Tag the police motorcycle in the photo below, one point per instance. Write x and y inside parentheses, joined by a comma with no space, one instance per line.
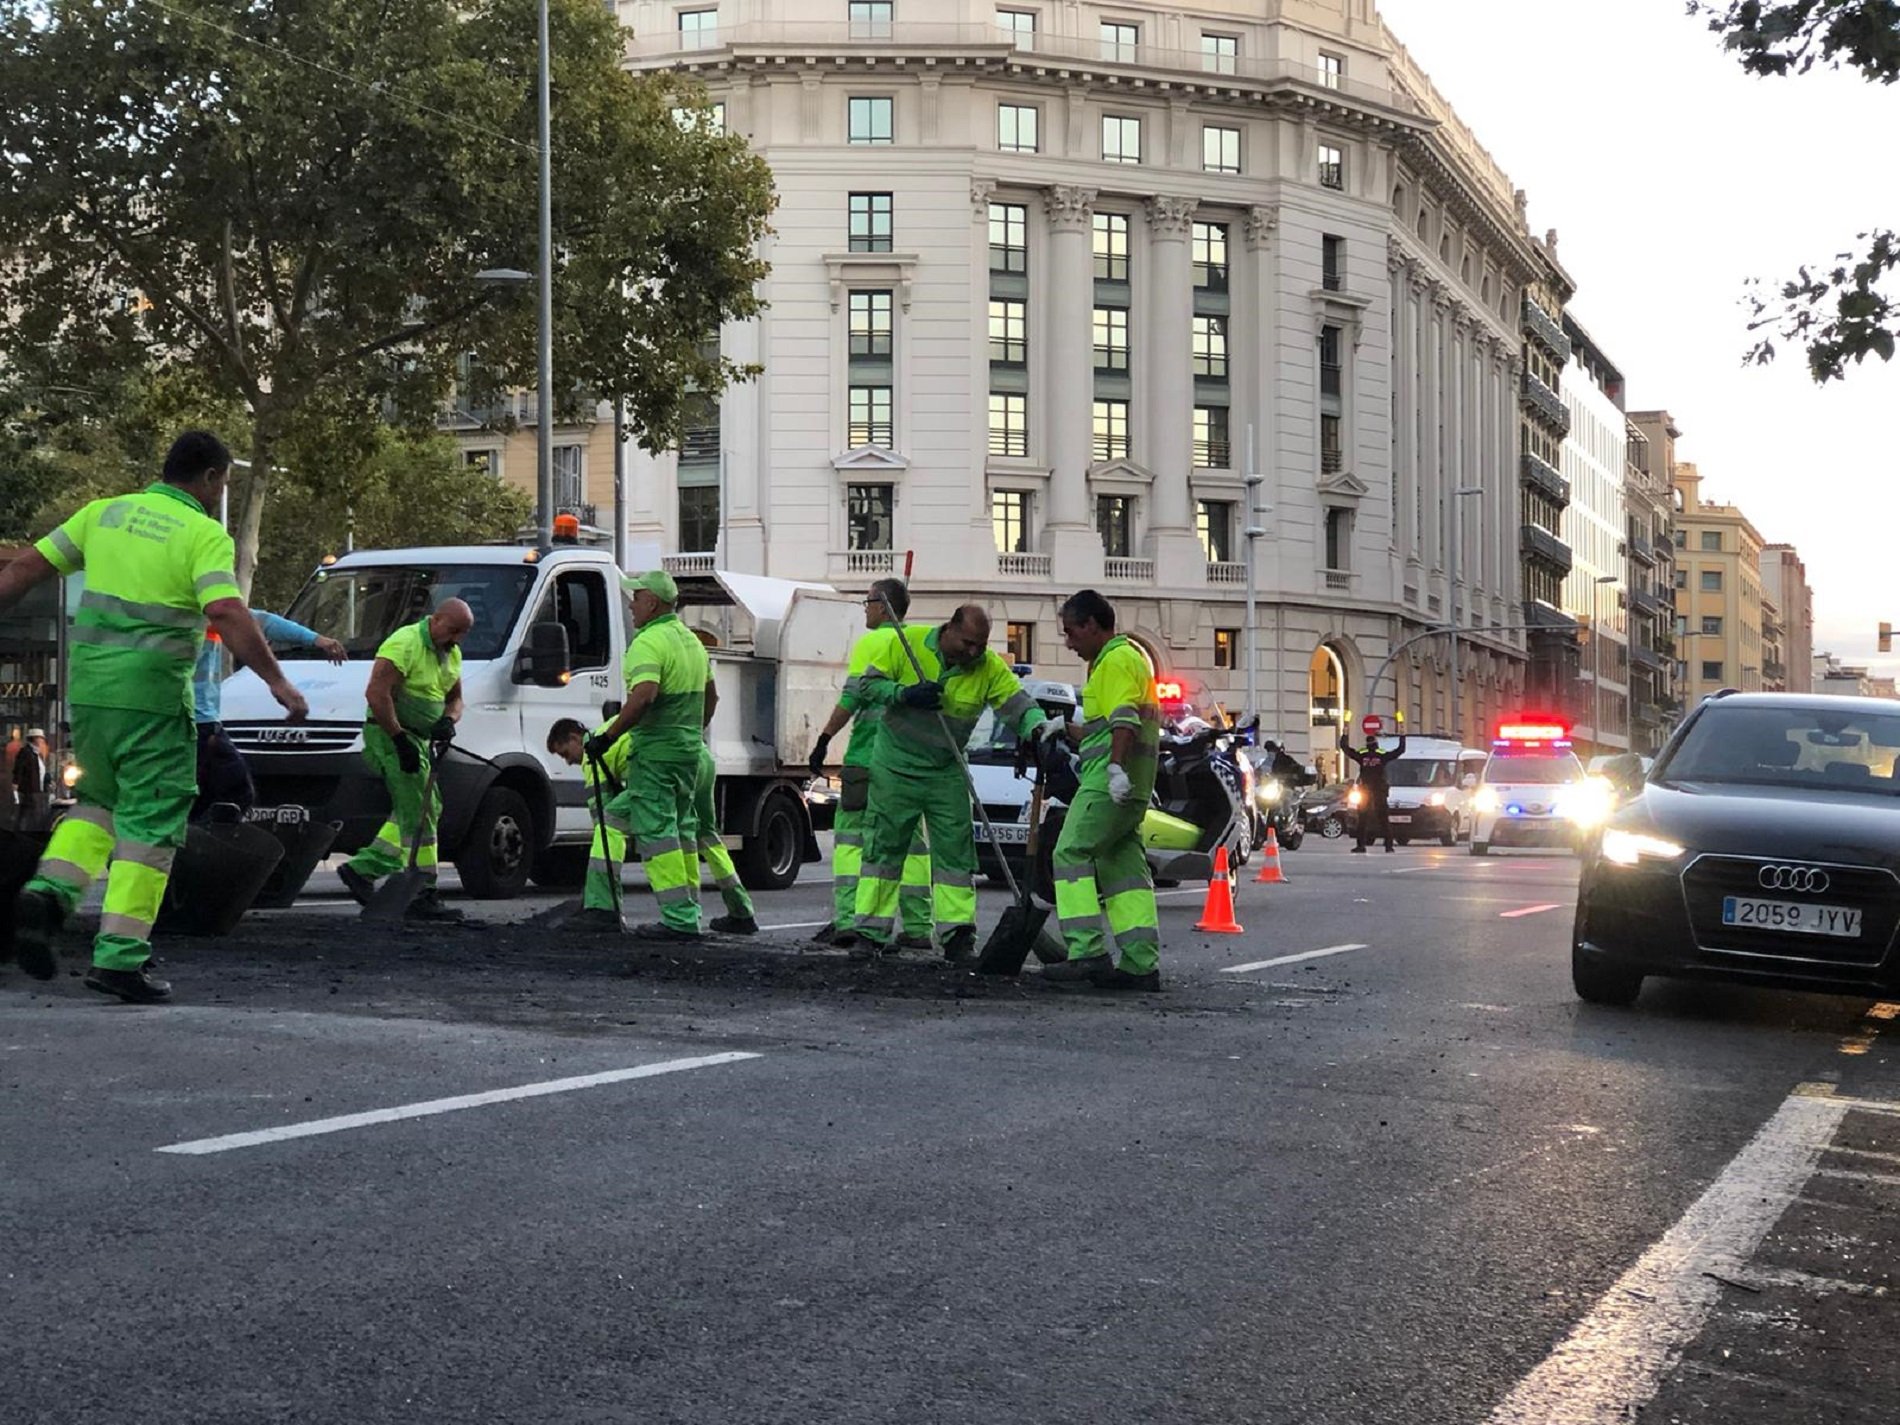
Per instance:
(1279,798)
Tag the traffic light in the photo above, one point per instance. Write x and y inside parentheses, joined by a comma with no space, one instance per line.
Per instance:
(1886,638)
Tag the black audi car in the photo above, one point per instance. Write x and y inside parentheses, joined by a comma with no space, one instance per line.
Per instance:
(1763,847)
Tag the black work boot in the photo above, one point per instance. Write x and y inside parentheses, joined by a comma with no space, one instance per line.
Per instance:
(133,986)
(915,942)
(863,947)
(1124,981)
(37,916)
(1076,972)
(829,935)
(360,887)
(595,918)
(660,932)
(959,946)
(430,906)
(734,925)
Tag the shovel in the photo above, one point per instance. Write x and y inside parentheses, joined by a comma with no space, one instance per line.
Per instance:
(1015,934)
(1024,926)
(559,914)
(392,899)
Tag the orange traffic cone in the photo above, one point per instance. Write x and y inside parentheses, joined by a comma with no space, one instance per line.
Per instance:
(1270,872)
(1218,914)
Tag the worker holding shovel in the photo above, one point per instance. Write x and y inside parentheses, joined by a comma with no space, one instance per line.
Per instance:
(604,779)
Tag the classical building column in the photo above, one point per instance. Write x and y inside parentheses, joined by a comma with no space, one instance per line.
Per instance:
(744,452)
(1179,558)
(1069,534)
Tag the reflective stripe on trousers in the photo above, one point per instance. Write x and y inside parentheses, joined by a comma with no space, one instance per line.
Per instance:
(847,860)
(1101,872)
(899,805)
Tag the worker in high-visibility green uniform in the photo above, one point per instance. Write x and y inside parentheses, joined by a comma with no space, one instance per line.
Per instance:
(1101,865)
(668,684)
(711,848)
(884,606)
(918,775)
(157,567)
(415,701)
(567,739)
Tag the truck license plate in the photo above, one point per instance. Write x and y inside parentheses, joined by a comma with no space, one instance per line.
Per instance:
(1792,916)
(1400,820)
(1006,835)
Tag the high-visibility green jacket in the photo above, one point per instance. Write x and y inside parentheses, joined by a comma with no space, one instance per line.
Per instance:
(866,718)
(429,674)
(614,764)
(667,652)
(153,562)
(1120,692)
(911,740)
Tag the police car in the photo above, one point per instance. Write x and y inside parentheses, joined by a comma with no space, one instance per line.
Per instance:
(1534,791)
(1005,796)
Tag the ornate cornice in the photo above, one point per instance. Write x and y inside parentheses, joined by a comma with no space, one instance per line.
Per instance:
(1261,224)
(1068,207)
(981,191)
(1171,217)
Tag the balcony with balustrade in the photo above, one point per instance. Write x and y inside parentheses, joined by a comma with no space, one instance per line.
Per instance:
(1022,564)
(1129,571)
(1546,405)
(1547,332)
(1540,474)
(1540,543)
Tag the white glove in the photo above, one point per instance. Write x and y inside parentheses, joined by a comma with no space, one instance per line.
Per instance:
(1119,787)
(1048,730)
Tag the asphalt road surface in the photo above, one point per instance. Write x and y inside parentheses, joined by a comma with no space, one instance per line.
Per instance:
(1368,1161)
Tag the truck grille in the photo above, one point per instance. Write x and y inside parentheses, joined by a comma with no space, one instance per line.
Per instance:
(264,739)
(1875,892)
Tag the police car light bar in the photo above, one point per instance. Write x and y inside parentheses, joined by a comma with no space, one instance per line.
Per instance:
(1533,732)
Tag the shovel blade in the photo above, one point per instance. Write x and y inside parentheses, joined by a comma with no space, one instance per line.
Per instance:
(393,897)
(1012,940)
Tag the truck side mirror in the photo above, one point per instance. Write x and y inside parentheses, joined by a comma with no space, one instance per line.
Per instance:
(543,659)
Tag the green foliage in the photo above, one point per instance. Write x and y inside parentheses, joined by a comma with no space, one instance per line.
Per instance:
(289,203)
(1842,312)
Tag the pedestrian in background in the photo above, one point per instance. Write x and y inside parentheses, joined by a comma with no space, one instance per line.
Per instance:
(32,782)
(157,567)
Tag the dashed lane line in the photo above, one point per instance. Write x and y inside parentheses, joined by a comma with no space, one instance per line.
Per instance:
(314,1127)
(1288,959)
(1527,910)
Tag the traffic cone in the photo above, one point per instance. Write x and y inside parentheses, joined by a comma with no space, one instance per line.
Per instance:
(1270,872)
(1218,914)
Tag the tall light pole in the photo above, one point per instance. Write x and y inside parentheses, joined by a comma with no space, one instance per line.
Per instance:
(1463,492)
(544,336)
(1596,658)
(1252,532)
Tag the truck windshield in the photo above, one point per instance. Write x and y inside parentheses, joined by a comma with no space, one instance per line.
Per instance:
(360,607)
(1419,772)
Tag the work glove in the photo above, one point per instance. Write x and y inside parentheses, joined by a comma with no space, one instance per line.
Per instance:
(818,751)
(597,746)
(444,730)
(1048,730)
(928,696)
(1120,788)
(408,754)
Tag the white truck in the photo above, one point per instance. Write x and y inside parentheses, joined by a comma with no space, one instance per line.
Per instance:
(1430,789)
(551,626)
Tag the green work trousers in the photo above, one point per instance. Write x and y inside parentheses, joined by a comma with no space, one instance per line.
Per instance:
(711,848)
(390,850)
(847,861)
(139,777)
(656,810)
(1101,866)
(607,850)
(900,804)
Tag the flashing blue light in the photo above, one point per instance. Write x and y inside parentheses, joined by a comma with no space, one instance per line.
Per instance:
(1514,810)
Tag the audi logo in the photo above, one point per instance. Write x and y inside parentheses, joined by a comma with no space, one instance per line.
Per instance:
(1793,878)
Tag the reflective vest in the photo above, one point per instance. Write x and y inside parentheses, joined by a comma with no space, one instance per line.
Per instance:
(912,739)
(1120,692)
(667,652)
(429,674)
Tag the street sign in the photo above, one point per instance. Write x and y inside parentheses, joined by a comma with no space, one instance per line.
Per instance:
(1372,724)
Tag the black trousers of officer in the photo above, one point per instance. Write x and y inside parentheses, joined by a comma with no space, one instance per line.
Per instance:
(1374,822)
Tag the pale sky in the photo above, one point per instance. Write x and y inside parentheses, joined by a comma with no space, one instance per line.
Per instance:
(1672,177)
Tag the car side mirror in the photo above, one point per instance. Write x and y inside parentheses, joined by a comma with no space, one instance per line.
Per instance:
(543,659)
(1624,772)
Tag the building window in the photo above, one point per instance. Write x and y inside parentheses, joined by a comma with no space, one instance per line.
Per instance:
(712,117)
(699,518)
(699,29)
(1119,41)
(1711,581)
(1227,648)
(1009,237)
(1712,626)
(1019,643)
(1009,339)
(1111,430)
(1330,373)
(1220,149)
(1220,54)
(870,120)
(871,422)
(1712,670)
(480,462)
(699,440)
(1332,453)
(870,19)
(1682,539)
(1332,167)
(1214,522)
(1009,519)
(1712,541)
(1019,25)
(1016,128)
(1115,519)
(1213,450)
(1111,247)
(1210,347)
(870,222)
(1332,69)
(1210,257)
(868,522)
(870,324)
(570,476)
(1682,578)
(1121,139)
(1339,539)
(1332,262)
(1111,339)
(1009,424)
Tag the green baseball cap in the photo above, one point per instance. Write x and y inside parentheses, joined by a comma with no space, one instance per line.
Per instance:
(656,582)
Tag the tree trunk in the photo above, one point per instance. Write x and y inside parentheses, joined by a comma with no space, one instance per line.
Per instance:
(250,521)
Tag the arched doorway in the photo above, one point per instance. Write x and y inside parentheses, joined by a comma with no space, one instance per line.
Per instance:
(1330,695)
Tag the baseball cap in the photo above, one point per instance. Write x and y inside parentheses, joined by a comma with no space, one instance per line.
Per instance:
(656,582)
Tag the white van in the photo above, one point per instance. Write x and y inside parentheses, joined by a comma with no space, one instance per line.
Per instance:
(1430,789)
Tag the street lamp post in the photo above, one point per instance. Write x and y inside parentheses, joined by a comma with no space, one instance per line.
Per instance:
(1463,492)
(1252,532)
(1596,658)
(544,336)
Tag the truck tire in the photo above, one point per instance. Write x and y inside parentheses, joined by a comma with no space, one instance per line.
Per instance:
(497,852)
(768,860)
(561,868)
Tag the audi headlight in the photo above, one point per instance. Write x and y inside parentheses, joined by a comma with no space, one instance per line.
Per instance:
(1626,848)
(1486,801)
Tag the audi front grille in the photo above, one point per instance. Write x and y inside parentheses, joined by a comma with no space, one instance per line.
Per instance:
(1709,880)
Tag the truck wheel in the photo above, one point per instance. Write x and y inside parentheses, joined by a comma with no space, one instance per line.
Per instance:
(496,856)
(561,868)
(768,859)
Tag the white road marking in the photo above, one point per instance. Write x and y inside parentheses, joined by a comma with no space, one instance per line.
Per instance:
(1288,959)
(1614,1359)
(798,925)
(444,1105)
(1526,910)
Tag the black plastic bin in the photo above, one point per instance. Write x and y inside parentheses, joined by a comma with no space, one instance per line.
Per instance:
(19,854)
(216,878)
(306,841)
